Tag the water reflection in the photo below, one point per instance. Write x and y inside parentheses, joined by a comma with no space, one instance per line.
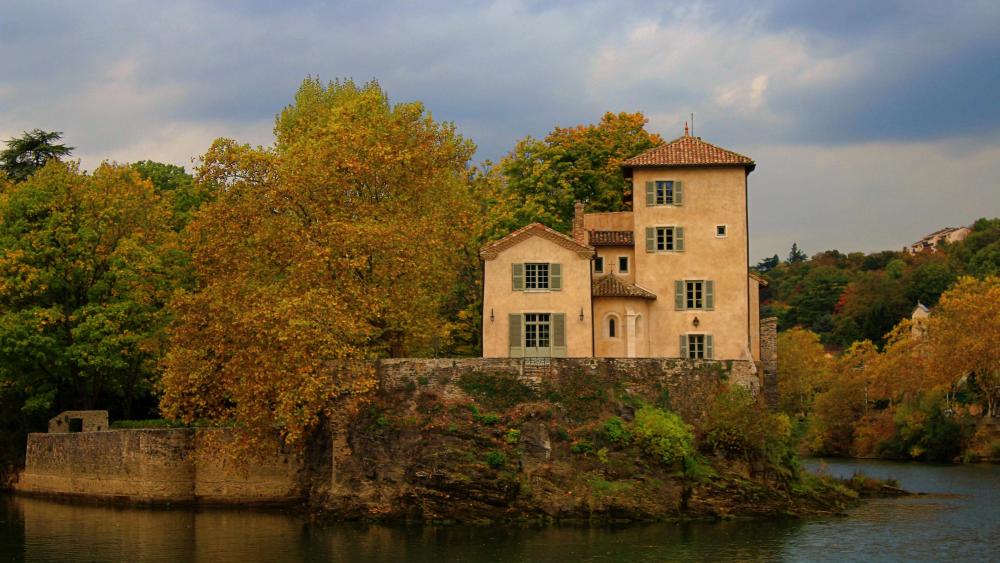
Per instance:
(965,525)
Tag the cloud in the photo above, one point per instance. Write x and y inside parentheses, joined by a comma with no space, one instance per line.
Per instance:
(791,83)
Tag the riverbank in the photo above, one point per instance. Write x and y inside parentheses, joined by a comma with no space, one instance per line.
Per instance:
(481,441)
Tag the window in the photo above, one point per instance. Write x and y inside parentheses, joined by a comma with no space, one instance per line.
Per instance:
(697,346)
(664,239)
(663,192)
(623,264)
(611,328)
(536,330)
(599,264)
(720,231)
(536,276)
(694,294)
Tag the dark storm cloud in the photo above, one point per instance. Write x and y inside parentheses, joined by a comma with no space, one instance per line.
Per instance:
(128,80)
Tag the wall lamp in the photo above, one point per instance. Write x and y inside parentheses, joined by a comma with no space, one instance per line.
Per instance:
(581,314)
(696,322)
(491,315)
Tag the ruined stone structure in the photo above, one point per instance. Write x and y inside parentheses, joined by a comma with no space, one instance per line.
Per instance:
(769,360)
(79,421)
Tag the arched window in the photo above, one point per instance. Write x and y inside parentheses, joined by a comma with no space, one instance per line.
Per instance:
(612,329)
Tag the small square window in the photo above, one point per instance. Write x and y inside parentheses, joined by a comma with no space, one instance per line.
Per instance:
(720,231)
(599,264)
(665,237)
(664,194)
(623,264)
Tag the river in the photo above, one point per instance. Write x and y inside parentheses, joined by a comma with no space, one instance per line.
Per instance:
(959,519)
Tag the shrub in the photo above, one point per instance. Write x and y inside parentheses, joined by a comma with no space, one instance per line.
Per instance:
(512,436)
(496,390)
(615,431)
(496,459)
(739,427)
(581,447)
(663,435)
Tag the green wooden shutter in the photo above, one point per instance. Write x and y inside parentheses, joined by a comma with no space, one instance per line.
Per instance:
(709,352)
(678,193)
(650,194)
(559,335)
(684,346)
(679,239)
(555,277)
(709,295)
(650,239)
(517,272)
(514,330)
(679,295)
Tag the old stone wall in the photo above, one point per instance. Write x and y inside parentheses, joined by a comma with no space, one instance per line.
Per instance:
(90,421)
(153,465)
(769,359)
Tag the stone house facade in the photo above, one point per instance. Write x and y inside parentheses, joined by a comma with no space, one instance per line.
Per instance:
(668,279)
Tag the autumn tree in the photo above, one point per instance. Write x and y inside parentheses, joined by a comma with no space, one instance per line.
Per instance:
(341,242)
(543,178)
(29,152)
(87,264)
(965,338)
(802,370)
(173,183)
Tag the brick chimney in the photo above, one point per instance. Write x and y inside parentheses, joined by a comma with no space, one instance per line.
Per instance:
(579,235)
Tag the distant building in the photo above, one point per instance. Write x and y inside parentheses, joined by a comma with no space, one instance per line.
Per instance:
(919,318)
(948,234)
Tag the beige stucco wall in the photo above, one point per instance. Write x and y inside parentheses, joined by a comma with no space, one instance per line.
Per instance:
(501,300)
(628,343)
(611,255)
(712,196)
(611,221)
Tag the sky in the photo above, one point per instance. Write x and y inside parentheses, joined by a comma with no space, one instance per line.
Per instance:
(872,123)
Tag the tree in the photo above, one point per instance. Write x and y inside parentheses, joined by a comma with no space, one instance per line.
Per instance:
(29,152)
(801,371)
(964,339)
(796,256)
(172,182)
(341,242)
(87,263)
(543,178)
(767,264)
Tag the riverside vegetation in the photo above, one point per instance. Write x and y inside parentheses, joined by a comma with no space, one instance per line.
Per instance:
(225,296)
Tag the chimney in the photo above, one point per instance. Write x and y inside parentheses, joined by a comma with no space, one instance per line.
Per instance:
(579,235)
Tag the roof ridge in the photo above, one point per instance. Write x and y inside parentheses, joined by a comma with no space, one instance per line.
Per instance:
(491,250)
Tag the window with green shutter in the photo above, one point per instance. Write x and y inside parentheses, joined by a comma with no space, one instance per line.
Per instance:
(664,192)
(696,346)
(559,335)
(679,298)
(664,239)
(694,294)
(514,338)
(555,277)
(517,274)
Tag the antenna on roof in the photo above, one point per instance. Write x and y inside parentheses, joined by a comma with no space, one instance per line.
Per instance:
(692,124)
(686,129)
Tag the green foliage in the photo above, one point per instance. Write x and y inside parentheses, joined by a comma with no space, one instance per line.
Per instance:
(796,255)
(581,447)
(512,436)
(28,153)
(924,431)
(150,423)
(87,265)
(178,187)
(740,427)
(496,460)
(663,435)
(615,431)
(499,391)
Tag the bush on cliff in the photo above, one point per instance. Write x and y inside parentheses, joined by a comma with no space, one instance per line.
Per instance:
(739,427)
(663,434)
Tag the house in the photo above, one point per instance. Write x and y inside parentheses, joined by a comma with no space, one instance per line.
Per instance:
(668,279)
(918,318)
(948,234)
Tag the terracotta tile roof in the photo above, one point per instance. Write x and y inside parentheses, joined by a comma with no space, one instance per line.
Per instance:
(610,285)
(493,249)
(688,151)
(760,279)
(611,238)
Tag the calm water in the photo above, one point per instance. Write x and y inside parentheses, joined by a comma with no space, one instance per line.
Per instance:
(960,520)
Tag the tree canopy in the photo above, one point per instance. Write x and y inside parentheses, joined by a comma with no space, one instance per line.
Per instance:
(335,244)
(29,152)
